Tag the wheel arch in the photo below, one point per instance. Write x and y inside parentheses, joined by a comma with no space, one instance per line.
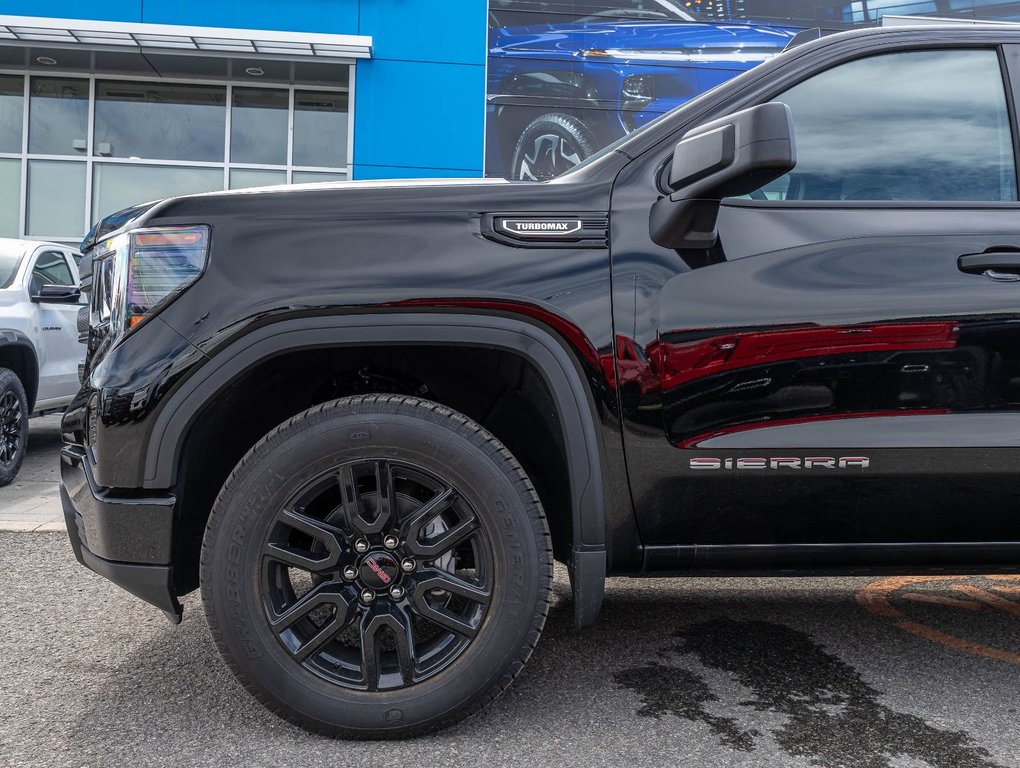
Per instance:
(17,352)
(537,344)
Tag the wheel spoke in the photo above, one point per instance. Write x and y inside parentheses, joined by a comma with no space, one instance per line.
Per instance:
(386,499)
(398,621)
(369,653)
(412,526)
(444,541)
(446,619)
(331,594)
(330,537)
(433,579)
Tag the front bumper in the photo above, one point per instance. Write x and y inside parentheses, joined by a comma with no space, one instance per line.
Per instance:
(127,540)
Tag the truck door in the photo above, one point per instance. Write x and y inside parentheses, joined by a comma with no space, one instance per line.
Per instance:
(841,372)
(60,350)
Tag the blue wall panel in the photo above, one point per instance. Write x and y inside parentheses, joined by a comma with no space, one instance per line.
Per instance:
(365,172)
(104,10)
(410,114)
(330,16)
(427,30)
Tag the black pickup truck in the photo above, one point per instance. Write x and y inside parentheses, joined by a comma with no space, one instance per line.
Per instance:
(365,418)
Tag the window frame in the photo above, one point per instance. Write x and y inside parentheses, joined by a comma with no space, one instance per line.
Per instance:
(769,88)
(1009,92)
(43,251)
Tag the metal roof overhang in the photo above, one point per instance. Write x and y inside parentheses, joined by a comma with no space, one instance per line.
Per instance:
(175,39)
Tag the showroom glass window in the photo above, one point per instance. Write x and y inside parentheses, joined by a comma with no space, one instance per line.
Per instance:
(910,126)
(12,118)
(153,121)
(94,145)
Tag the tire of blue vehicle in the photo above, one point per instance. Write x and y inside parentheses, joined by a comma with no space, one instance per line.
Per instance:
(551,145)
(377,566)
(13,425)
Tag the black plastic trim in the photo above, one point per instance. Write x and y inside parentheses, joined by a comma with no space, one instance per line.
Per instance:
(151,583)
(133,530)
(833,559)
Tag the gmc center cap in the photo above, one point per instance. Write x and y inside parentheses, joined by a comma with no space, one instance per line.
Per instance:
(379,570)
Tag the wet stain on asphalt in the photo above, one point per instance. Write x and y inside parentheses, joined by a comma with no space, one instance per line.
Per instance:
(835,719)
(680,691)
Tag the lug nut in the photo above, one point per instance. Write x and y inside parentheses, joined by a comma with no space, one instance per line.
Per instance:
(396,591)
(390,542)
(361,546)
(367,595)
(350,573)
(407,565)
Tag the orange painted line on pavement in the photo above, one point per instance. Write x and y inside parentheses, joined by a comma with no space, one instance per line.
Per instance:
(959,644)
(1000,603)
(876,598)
(952,602)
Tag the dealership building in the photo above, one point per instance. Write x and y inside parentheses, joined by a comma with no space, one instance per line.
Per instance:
(112,102)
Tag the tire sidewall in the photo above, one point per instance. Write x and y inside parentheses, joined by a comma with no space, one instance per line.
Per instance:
(9,382)
(305,450)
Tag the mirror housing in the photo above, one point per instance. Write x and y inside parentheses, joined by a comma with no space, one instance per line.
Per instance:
(733,155)
(57,294)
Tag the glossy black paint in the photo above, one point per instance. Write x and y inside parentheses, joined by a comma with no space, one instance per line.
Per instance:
(821,330)
(855,333)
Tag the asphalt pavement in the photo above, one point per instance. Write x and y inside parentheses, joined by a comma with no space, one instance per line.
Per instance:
(877,673)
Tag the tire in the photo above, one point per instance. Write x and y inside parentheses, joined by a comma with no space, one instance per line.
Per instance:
(551,145)
(283,578)
(13,425)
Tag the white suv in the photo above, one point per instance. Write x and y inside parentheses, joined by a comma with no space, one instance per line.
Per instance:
(39,348)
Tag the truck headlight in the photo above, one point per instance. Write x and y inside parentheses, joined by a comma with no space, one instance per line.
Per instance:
(149,268)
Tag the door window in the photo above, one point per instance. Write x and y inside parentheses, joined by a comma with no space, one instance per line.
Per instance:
(51,269)
(917,125)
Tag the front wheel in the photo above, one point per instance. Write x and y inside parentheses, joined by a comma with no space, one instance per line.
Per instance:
(377,566)
(13,425)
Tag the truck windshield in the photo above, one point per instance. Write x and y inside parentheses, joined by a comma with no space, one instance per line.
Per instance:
(10,260)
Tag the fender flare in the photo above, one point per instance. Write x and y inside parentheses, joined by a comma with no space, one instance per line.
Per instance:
(540,346)
(10,337)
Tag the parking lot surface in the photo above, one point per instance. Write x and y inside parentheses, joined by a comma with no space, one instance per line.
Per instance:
(790,673)
(32,501)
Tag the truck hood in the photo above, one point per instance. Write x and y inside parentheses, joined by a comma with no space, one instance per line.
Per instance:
(626,39)
(135,215)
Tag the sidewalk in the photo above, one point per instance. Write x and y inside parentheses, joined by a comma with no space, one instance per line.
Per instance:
(32,501)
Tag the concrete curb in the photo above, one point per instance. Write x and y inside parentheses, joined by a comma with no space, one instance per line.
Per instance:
(32,526)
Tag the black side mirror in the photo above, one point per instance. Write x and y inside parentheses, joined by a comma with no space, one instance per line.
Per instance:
(57,294)
(733,155)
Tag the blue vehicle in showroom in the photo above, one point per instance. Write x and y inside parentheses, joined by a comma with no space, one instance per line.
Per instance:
(561,90)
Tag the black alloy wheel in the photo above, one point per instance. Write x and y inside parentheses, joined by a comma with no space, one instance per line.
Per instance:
(376,575)
(13,425)
(377,566)
(549,146)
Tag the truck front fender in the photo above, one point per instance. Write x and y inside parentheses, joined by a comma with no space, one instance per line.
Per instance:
(539,345)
